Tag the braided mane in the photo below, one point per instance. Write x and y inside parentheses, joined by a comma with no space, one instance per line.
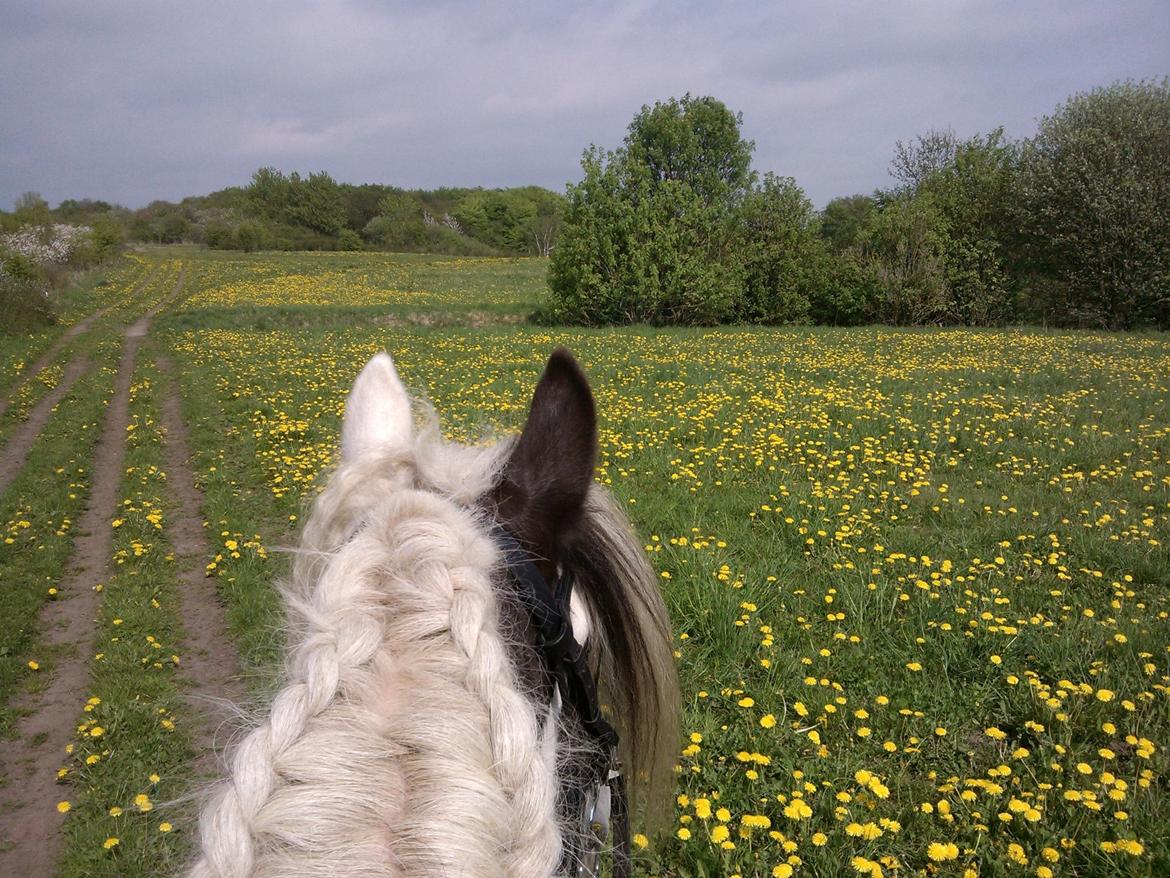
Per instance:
(407,740)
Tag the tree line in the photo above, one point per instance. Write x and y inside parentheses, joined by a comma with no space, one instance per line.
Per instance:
(279,211)
(1068,227)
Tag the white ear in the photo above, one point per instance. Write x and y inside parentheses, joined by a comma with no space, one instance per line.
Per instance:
(377,411)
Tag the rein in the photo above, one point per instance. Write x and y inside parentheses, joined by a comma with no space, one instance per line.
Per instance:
(564,660)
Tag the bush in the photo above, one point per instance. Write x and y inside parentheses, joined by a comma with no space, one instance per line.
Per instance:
(850,294)
(249,236)
(785,262)
(18,267)
(1096,206)
(348,239)
(649,234)
(904,248)
(24,292)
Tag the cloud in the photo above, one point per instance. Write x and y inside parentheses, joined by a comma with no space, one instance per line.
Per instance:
(136,101)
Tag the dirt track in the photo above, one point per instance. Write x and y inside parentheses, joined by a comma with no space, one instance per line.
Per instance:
(31,836)
(210,661)
(79,328)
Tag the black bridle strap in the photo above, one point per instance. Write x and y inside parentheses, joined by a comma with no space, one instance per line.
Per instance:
(563,656)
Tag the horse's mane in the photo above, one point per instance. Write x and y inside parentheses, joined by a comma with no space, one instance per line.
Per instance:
(404,741)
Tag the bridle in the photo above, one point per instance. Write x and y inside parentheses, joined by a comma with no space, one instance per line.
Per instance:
(603,801)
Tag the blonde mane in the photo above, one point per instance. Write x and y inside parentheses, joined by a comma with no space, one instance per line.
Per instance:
(404,741)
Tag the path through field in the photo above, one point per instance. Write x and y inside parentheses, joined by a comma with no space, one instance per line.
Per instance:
(78,329)
(31,834)
(211,659)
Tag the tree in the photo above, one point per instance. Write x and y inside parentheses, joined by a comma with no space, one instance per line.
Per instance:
(649,233)
(32,210)
(844,219)
(315,203)
(269,194)
(499,219)
(695,141)
(917,160)
(975,193)
(1096,206)
(904,248)
(784,259)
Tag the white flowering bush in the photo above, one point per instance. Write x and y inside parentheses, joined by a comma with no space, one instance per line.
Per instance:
(46,245)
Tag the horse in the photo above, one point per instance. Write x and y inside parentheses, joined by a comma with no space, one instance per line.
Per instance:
(479,670)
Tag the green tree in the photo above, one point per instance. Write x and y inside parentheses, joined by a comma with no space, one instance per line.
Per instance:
(1096,206)
(695,141)
(500,219)
(904,249)
(975,193)
(844,220)
(649,233)
(315,203)
(784,260)
(107,236)
(269,194)
(32,210)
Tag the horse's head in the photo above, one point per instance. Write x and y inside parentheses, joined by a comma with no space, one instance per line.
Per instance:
(430,723)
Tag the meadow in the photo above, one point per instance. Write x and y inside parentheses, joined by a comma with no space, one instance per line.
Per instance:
(918,578)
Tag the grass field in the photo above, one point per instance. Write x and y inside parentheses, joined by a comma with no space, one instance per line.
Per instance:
(919,579)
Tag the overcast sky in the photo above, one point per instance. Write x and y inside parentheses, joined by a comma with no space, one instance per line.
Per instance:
(132,101)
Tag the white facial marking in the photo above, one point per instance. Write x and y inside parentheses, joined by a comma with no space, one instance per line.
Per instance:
(377,411)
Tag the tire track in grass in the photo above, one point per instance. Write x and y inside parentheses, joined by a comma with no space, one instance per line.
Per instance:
(210,661)
(79,328)
(30,764)
(16,451)
(15,454)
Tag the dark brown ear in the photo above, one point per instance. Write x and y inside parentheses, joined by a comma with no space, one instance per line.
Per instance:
(542,493)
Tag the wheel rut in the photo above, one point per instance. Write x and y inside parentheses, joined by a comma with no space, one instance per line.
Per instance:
(15,454)
(210,662)
(79,328)
(32,826)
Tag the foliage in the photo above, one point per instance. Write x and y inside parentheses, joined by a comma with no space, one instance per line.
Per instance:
(784,259)
(905,247)
(850,293)
(942,242)
(916,161)
(844,220)
(1096,205)
(248,236)
(313,203)
(24,292)
(694,141)
(649,234)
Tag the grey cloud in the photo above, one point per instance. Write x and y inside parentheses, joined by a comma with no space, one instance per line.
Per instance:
(135,101)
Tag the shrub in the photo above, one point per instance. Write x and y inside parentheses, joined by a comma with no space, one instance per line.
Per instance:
(785,263)
(249,236)
(850,294)
(1096,206)
(649,233)
(24,292)
(904,248)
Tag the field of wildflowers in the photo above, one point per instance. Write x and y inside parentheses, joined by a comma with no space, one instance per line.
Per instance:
(918,579)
